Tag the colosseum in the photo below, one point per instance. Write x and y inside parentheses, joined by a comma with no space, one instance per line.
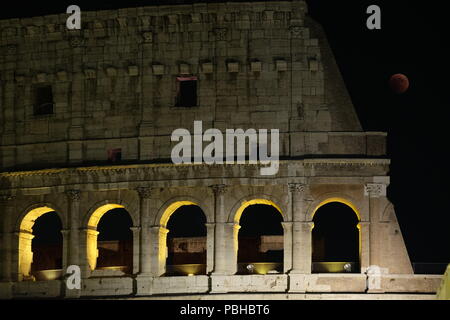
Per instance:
(87,178)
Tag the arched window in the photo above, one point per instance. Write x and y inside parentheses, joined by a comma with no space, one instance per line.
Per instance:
(186,242)
(115,241)
(40,245)
(110,239)
(335,239)
(260,248)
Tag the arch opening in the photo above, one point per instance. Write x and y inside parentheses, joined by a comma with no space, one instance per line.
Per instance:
(260,239)
(186,241)
(336,238)
(110,239)
(40,245)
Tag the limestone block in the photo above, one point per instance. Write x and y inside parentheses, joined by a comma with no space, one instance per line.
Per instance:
(37,289)
(173,285)
(249,283)
(410,283)
(158,69)
(107,286)
(144,285)
(328,282)
(297,282)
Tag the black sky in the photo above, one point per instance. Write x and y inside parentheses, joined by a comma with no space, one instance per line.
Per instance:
(413,41)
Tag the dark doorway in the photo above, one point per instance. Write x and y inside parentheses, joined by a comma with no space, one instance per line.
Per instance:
(47,243)
(186,242)
(335,239)
(261,240)
(115,240)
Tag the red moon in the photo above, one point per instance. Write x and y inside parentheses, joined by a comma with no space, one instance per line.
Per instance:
(399,83)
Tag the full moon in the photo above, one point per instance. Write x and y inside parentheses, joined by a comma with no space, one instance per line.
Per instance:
(399,83)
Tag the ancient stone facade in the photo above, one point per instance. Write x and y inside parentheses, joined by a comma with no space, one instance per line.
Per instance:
(114,84)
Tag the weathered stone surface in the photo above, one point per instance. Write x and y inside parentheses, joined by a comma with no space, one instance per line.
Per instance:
(260,65)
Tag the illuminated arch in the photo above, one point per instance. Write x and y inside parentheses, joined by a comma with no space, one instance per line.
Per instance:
(348,203)
(25,257)
(162,220)
(172,208)
(340,200)
(92,233)
(246,202)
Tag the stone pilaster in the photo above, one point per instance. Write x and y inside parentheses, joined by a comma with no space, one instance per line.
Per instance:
(287,238)
(301,230)
(222,255)
(145,196)
(73,197)
(364,255)
(158,252)
(374,191)
(210,234)
(136,245)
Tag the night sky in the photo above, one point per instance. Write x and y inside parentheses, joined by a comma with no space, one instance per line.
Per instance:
(413,41)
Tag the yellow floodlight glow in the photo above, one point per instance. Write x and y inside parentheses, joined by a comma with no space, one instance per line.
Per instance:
(246,204)
(172,208)
(26,237)
(92,233)
(340,200)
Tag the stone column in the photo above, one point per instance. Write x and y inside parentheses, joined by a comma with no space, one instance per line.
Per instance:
(287,246)
(73,197)
(221,259)
(88,256)
(210,231)
(232,246)
(158,252)
(374,191)
(301,230)
(65,249)
(6,203)
(364,230)
(145,195)
(136,244)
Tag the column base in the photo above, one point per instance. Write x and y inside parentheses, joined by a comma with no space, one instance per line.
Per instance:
(144,284)
(297,282)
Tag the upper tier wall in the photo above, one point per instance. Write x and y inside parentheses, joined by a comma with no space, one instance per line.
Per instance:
(114,82)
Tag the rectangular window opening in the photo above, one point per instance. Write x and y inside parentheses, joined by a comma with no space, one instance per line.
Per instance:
(43,101)
(186,92)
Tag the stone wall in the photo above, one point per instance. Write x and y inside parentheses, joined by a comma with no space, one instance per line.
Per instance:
(259,65)
(150,193)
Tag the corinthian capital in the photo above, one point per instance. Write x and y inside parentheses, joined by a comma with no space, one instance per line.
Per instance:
(296,187)
(73,195)
(218,189)
(145,192)
(375,190)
